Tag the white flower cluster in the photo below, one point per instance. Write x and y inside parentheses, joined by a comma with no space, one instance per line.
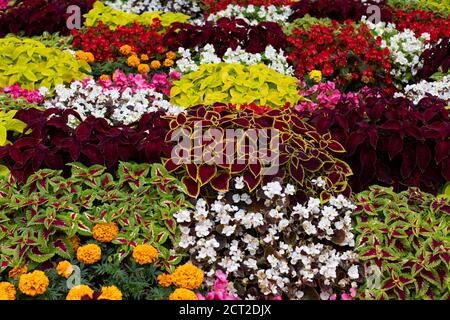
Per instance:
(416,92)
(261,240)
(254,14)
(115,106)
(274,59)
(404,47)
(141,6)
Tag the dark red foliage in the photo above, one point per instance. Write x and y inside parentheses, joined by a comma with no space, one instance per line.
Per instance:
(33,17)
(340,10)
(390,141)
(435,59)
(226,33)
(105,43)
(52,143)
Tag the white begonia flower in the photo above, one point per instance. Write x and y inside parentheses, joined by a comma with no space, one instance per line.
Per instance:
(228,230)
(182,216)
(239,183)
(273,189)
(353,272)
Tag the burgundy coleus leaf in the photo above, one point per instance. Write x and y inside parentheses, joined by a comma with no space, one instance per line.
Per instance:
(298,174)
(192,169)
(206,173)
(394,145)
(221,182)
(61,246)
(251,180)
(354,141)
(423,156)
(192,186)
(442,151)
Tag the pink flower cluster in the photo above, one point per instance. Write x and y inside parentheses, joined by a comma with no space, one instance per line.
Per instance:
(3,4)
(15,91)
(323,95)
(219,290)
(345,296)
(160,82)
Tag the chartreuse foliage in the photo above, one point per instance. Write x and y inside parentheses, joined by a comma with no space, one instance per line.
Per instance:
(299,156)
(236,84)
(33,65)
(38,218)
(405,236)
(440,7)
(305,23)
(8,124)
(114,18)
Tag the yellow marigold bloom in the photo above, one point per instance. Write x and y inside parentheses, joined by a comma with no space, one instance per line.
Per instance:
(64,269)
(144,254)
(105,232)
(168,63)
(171,55)
(89,57)
(34,283)
(133,61)
(144,57)
(78,292)
(125,50)
(164,280)
(143,68)
(155,64)
(110,293)
(17,271)
(315,75)
(183,294)
(75,240)
(7,291)
(89,254)
(80,55)
(187,276)
(104,77)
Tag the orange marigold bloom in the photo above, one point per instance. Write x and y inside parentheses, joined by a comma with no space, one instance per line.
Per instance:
(168,63)
(110,293)
(133,61)
(165,280)
(89,254)
(7,291)
(89,57)
(78,292)
(155,64)
(187,276)
(104,77)
(17,271)
(144,57)
(64,269)
(183,294)
(105,232)
(34,283)
(145,254)
(75,241)
(125,50)
(171,55)
(143,68)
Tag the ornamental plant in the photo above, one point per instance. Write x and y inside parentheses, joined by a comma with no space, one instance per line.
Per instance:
(8,127)
(270,246)
(235,84)
(349,55)
(31,96)
(33,65)
(50,210)
(435,60)
(303,154)
(216,5)
(226,33)
(53,143)
(101,13)
(305,22)
(33,17)
(403,239)
(390,141)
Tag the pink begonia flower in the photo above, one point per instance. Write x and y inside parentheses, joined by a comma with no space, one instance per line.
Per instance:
(277,298)
(15,91)
(333,297)
(175,75)
(3,4)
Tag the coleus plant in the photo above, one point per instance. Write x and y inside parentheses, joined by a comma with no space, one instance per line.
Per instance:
(53,143)
(39,218)
(300,154)
(404,240)
(435,60)
(390,141)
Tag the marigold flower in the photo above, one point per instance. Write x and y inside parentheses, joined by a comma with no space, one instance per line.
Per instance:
(78,292)
(104,77)
(315,75)
(7,291)
(133,61)
(183,294)
(64,269)
(171,55)
(75,241)
(125,50)
(34,283)
(89,254)
(155,64)
(110,293)
(89,57)
(144,57)
(144,254)
(187,276)
(168,63)
(105,232)
(17,271)
(165,280)
(143,68)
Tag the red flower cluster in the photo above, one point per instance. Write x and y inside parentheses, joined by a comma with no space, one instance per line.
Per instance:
(421,21)
(105,43)
(213,6)
(350,56)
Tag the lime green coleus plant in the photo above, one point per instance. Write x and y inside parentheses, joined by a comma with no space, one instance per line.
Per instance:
(8,123)
(115,18)
(33,65)
(236,84)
